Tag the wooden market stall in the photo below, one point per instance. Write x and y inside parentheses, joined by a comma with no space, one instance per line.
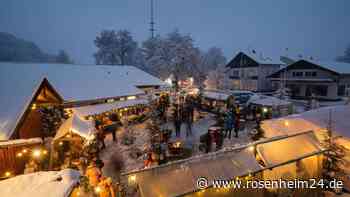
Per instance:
(11,153)
(70,138)
(272,107)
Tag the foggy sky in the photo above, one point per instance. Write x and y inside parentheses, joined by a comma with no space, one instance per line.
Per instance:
(319,28)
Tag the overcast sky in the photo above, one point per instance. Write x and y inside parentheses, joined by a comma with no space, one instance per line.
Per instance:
(320,28)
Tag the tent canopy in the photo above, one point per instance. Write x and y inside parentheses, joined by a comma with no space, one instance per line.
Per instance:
(316,120)
(41,184)
(180,177)
(285,150)
(74,124)
(101,108)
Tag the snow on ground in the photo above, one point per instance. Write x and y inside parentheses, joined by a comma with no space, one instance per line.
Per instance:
(141,134)
(41,184)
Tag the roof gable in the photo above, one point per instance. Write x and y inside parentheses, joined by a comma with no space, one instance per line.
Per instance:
(252,59)
(304,64)
(19,83)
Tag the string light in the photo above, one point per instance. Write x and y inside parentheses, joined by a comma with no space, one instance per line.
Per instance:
(36,153)
(97,189)
(7,174)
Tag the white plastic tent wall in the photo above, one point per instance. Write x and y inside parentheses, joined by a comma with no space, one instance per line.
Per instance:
(316,120)
(41,184)
(76,125)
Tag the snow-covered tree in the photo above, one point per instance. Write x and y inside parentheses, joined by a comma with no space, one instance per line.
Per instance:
(63,57)
(217,79)
(346,56)
(174,53)
(115,47)
(212,59)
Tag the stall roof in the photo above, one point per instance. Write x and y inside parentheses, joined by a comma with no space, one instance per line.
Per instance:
(20,81)
(101,108)
(315,120)
(270,101)
(20,142)
(281,151)
(41,184)
(179,178)
(74,124)
(215,95)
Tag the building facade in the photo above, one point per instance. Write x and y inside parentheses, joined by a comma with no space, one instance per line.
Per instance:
(306,78)
(248,71)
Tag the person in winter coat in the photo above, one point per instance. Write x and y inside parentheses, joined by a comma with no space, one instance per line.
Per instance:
(237,122)
(228,123)
(93,173)
(106,187)
(177,121)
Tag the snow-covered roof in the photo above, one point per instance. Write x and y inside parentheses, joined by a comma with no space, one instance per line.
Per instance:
(270,101)
(316,120)
(19,82)
(75,124)
(262,58)
(339,67)
(20,142)
(41,184)
(215,95)
(101,108)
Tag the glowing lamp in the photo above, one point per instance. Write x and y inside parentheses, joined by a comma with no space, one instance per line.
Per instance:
(133,178)
(286,123)
(19,154)
(60,143)
(7,174)
(97,189)
(36,153)
(264,109)
(251,148)
(24,151)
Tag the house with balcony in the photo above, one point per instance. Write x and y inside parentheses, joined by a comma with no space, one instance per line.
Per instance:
(248,71)
(306,78)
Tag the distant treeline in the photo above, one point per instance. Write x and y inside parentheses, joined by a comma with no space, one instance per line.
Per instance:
(13,49)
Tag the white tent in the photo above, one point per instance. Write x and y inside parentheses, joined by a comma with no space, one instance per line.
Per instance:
(74,124)
(41,184)
(316,120)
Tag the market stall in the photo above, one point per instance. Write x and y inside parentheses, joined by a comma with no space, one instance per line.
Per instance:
(71,137)
(271,107)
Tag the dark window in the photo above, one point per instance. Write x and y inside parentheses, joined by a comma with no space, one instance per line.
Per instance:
(310,74)
(341,90)
(297,74)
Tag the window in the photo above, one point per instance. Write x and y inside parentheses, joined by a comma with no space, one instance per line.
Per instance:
(311,74)
(297,74)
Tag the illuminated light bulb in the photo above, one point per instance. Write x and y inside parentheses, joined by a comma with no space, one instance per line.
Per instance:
(97,189)
(7,174)
(251,148)
(286,123)
(44,152)
(36,153)
(60,143)
(264,109)
(24,151)
(19,154)
(133,178)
